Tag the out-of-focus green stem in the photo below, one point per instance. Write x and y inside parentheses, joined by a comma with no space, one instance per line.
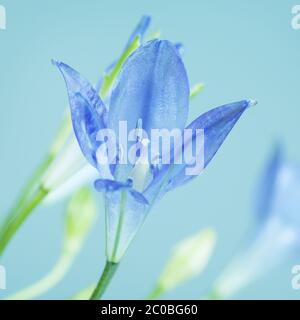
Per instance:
(46,283)
(33,192)
(196,89)
(80,215)
(28,188)
(59,141)
(11,225)
(62,136)
(155,293)
(84,294)
(110,267)
(107,274)
(213,295)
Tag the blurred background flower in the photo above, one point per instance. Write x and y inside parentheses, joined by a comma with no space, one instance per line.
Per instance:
(276,237)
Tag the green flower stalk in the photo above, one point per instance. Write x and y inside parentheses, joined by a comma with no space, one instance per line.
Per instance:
(34,192)
(189,258)
(80,216)
(84,294)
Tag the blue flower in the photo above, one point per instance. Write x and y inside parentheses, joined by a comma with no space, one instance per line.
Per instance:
(151,92)
(276,235)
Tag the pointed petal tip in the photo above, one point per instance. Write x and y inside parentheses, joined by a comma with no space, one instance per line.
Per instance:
(55,62)
(146,18)
(252,103)
(59,64)
(139,197)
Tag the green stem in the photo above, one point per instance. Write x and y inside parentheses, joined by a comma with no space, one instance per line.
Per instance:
(48,282)
(195,90)
(107,274)
(110,267)
(61,138)
(213,295)
(155,293)
(30,196)
(84,294)
(28,188)
(13,223)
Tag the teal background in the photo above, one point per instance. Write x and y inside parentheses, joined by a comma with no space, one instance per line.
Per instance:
(240,49)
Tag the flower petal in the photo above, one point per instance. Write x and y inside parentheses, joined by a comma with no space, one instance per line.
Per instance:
(152,86)
(265,191)
(285,202)
(124,219)
(272,244)
(216,123)
(139,197)
(87,110)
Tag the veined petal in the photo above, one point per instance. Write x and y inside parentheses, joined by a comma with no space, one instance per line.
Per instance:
(152,86)
(87,110)
(217,124)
